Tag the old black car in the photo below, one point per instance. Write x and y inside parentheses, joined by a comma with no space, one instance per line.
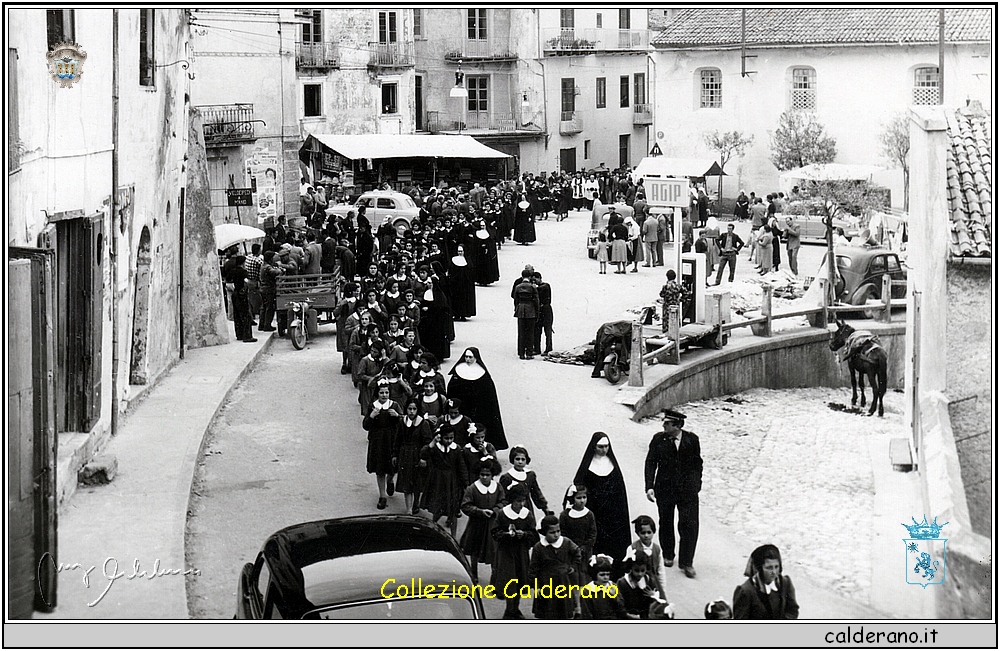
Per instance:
(364,567)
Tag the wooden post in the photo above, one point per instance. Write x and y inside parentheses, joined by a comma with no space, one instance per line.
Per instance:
(820,319)
(765,309)
(635,363)
(674,332)
(716,317)
(887,298)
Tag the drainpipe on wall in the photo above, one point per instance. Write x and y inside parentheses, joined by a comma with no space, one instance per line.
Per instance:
(651,76)
(545,105)
(114,218)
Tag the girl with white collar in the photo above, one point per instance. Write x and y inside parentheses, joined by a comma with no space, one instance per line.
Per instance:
(555,561)
(514,534)
(478,502)
(579,524)
(520,474)
(381,423)
(446,479)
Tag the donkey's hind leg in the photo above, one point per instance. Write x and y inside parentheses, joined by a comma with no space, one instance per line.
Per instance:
(861,387)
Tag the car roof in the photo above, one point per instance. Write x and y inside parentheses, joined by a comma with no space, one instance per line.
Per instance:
(341,560)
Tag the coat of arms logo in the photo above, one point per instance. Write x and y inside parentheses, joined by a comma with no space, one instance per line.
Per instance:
(66,63)
(923,548)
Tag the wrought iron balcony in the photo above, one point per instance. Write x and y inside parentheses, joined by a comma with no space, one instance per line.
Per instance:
(316,56)
(438,121)
(642,114)
(390,55)
(227,124)
(585,41)
(490,49)
(570,122)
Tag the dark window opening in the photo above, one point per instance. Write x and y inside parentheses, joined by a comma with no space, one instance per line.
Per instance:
(623,91)
(312,32)
(147,47)
(477,24)
(568,95)
(566,18)
(312,100)
(624,19)
(602,92)
(389,99)
(623,156)
(387,27)
(60,25)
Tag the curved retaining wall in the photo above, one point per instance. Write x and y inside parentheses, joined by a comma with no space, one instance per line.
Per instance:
(786,360)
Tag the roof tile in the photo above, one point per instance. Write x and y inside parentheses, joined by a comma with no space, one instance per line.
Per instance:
(700,27)
(970,192)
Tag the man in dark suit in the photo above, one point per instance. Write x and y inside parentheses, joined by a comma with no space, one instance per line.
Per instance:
(673,480)
(729,247)
(526,310)
(545,316)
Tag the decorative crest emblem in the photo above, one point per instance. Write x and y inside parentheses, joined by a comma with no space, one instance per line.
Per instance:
(922,548)
(66,63)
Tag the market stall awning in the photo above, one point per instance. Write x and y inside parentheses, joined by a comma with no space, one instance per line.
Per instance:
(692,168)
(832,172)
(381,146)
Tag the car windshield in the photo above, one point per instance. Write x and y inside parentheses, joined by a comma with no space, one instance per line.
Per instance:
(399,609)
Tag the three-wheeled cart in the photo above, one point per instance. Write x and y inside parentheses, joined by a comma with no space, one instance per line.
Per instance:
(305,297)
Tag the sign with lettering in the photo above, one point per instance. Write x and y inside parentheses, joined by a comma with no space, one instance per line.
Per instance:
(666,192)
(239,196)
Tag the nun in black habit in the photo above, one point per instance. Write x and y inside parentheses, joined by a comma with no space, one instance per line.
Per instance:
(524,223)
(435,320)
(487,260)
(471,382)
(461,279)
(600,472)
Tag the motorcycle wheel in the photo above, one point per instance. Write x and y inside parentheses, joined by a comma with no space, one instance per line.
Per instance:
(298,334)
(612,371)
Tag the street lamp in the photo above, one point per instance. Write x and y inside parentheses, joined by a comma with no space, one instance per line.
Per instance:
(458,90)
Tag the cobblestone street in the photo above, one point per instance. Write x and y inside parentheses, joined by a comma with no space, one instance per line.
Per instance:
(799,478)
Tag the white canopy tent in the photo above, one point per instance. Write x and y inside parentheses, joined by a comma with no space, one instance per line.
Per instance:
(377,146)
(825,172)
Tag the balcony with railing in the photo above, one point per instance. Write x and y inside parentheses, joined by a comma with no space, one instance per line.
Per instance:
(316,56)
(591,40)
(642,114)
(390,55)
(227,125)
(440,121)
(485,49)
(570,122)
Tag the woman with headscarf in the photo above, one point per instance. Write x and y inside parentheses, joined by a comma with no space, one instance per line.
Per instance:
(471,382)
(462,280)
(600,472)
(435,319)
(767,593)
(524,223)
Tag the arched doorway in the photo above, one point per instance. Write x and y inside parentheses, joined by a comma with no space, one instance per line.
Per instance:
(140,311)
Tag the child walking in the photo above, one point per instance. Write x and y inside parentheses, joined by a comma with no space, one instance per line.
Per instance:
(514,534)
(412,434)
(478,502)
(600,604)
(446,479)
(645,529)
(579,525)
(477,448)
(382,423)
(555,561)
(602,251)
(520,474)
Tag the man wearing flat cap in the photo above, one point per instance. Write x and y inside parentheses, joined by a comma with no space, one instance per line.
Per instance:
(673,481)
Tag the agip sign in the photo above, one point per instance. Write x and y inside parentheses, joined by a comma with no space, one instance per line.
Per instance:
(666,192)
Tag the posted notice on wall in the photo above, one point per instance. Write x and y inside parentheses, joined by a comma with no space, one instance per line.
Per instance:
(262,174)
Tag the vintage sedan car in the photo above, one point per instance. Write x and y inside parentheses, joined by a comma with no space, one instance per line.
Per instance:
(380,206)
(809,215)
(364,567)
(860,273)
(599,222)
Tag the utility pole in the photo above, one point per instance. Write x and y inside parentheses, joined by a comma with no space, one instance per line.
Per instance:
(940,56)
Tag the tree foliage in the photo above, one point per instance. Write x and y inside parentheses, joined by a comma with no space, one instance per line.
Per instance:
(728,144)
(895,140)
(800,140)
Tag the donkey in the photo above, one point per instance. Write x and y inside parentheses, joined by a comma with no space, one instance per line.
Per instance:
(865,356)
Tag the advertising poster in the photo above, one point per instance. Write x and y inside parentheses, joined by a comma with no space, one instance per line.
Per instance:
(262,174)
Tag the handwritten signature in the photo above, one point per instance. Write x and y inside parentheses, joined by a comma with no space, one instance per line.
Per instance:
(110,572)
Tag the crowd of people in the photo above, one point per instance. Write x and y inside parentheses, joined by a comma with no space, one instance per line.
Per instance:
(437,440)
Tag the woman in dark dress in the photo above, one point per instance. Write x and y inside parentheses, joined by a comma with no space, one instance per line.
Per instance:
(600,472)
(524,223)
(470,382)
(461,278)
(767,593)
(444,284)
(365,243)
(435,316)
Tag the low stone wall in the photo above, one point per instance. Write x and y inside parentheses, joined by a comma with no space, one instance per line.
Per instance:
(784,361)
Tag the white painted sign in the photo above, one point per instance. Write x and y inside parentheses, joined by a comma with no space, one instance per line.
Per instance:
(666,192)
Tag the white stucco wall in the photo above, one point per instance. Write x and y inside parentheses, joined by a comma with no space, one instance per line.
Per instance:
(859,89)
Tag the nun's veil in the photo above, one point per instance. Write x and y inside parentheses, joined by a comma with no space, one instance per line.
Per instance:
(461,360)
(588,456)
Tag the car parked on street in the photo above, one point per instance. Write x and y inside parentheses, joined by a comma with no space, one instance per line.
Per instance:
(860,274)
(810,214)
(363,567)
(381,205)
(599,222)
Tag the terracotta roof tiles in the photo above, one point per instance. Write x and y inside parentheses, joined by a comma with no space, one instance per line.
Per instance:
(845,26)
(970,191)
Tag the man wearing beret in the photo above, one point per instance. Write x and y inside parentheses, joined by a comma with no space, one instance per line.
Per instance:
(673,480)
